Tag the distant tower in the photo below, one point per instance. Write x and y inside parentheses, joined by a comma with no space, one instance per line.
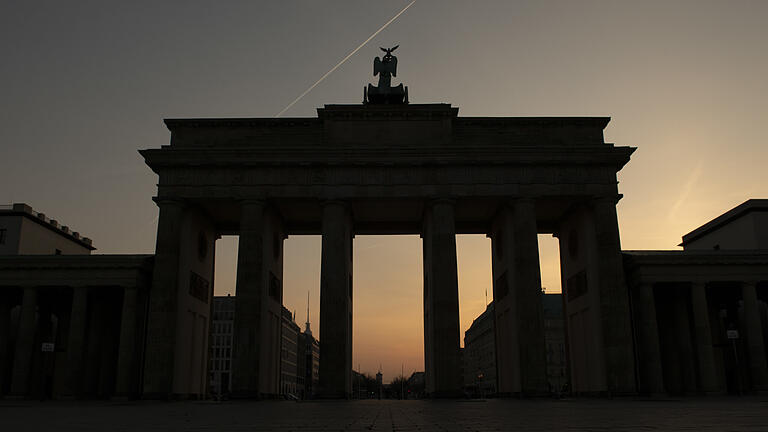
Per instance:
(307,330)
(379,379)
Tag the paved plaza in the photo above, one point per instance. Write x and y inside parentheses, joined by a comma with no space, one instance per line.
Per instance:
(721,414)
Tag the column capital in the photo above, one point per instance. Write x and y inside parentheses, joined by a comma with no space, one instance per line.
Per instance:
(169,201)
(335,201)
(606,199)
(513,204)
(252,201)
(513,201)
(645,284)
(430,202)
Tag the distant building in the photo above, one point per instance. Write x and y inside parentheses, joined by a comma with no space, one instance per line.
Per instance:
(299,360)
(480,355)
(308,359)
(554,339)
(359,385)
(289,366)
(379,383)
(222,331)
(416,383)
(27,232)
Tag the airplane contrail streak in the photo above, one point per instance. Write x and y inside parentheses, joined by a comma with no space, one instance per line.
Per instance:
(344,59)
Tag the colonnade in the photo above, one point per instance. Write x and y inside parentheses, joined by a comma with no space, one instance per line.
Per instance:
(94,340)
(737,311)
(517,291)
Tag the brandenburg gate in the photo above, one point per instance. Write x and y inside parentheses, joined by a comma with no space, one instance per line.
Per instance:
(389,167)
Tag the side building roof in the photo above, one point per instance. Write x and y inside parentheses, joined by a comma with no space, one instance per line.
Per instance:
(24,210)
(725,218)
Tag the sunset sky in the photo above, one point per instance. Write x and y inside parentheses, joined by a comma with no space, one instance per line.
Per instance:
(86,84)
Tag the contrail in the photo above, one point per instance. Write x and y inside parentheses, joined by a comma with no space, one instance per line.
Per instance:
(686,190)
(344,59)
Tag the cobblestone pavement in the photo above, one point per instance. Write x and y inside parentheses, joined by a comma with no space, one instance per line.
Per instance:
(726,414)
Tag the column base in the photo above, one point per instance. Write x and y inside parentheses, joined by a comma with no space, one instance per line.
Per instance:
(171,396)
(525,395)
(16,397)
(253,395)
(714,393)
(121,398)
(333,395)
(447,394)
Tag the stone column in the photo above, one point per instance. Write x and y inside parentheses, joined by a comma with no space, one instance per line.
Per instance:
(160,357)
(76,341)
(256,356)
(527,288)
(614,300)
(520,347)
(25,341)
(708,380)
(505,309)
(755,345)
(248,307)
(649,352)
(441,301)
(127,349)
(5,335)
(336,302)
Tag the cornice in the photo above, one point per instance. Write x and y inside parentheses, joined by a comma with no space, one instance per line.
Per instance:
(71,262)
(605,155)
(675,258)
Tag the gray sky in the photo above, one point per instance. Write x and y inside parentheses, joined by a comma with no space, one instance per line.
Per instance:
(86,84)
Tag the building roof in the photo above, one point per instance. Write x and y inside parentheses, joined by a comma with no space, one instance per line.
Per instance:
(734,213)
(21,209)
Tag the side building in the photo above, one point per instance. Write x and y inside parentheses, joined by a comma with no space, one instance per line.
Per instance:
(701,314)
(72,324)
(24,231)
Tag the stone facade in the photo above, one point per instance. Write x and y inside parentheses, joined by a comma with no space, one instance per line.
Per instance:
(399,170)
